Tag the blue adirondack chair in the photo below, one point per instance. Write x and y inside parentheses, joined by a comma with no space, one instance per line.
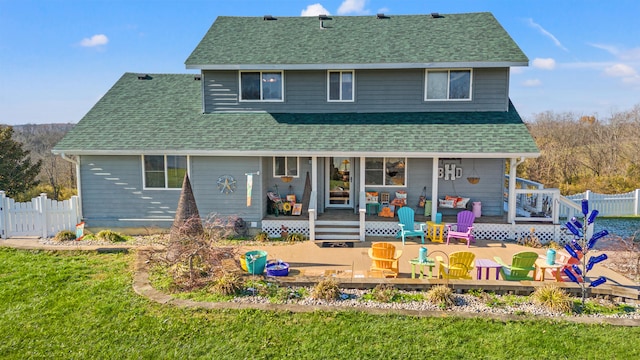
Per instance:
(407,225)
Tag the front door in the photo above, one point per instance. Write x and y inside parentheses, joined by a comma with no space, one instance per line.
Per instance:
(338,183)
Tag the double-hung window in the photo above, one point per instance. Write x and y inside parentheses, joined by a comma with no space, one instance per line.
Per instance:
(261,86)
(385,171)
(340,85)
(285,166)
(448,85)
(164,171)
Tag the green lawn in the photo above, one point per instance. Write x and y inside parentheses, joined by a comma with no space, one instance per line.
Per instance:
(81,305)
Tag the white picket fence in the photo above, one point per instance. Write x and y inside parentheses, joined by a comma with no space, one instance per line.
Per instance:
(40,217)
(607,204)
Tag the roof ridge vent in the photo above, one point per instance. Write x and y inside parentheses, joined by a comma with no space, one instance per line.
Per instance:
(322,18)
(381,16)
(435,15)
(144,77)
(268,18)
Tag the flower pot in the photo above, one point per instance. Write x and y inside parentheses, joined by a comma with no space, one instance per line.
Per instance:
(256,260)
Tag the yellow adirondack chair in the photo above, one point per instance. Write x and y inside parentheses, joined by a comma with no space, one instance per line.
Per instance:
(384,258)
(459,266)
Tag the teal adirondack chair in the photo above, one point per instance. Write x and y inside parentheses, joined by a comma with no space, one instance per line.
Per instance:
(521,264)
(408,225)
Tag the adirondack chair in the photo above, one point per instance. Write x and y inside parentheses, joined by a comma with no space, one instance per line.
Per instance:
(463,228)
(407,224)
(384,257)
(567,261)
(459,266)
(521,264)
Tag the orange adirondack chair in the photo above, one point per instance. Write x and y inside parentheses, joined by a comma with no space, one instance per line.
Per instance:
(384,257)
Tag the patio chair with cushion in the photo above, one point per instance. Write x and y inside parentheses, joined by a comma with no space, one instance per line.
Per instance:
(384,258)
(459,266)
(463,228)
(408,225)
(521,264)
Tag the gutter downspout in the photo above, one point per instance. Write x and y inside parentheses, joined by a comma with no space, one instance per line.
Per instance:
(513,165)
(78,182)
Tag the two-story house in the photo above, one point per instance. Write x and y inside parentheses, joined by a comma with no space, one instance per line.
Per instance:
(325,108)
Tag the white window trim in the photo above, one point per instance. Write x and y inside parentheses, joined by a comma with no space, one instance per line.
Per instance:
(353,85)
(261,72)
(166,180)
(384,175)
(426,80)
(285,166)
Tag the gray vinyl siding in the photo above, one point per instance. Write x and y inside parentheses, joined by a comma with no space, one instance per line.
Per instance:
(113,194)
(375,91)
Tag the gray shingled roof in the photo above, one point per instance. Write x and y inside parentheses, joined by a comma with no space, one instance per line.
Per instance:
(163,114)
(473,38)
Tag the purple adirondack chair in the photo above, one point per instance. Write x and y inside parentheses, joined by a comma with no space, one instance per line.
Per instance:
(463,229)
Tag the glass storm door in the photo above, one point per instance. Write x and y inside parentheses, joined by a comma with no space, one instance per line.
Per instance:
(339,177)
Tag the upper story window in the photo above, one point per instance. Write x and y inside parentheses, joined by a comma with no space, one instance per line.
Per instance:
(340,86)
(285,166)
(448,85)
(385,171)
(164,171)
(261,86)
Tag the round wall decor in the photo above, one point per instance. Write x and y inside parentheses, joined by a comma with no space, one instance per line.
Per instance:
(226,184)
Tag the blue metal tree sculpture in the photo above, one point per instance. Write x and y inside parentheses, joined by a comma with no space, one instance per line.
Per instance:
(579,248)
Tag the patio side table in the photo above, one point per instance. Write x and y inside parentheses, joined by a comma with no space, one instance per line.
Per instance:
(435,231)
(487,264)
(541,267)
(421,265)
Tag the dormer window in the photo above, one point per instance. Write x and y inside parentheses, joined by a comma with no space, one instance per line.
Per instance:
(448,85)
(340,85)
(261,86)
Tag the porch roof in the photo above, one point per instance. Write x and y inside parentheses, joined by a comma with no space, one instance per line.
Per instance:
(163,115)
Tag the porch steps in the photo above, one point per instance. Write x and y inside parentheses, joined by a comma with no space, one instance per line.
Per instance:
(335,230)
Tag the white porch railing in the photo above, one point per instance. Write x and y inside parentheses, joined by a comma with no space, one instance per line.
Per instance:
(313,215)
(40,217)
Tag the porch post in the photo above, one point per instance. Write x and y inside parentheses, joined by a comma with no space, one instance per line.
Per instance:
(511,212)
(434,188)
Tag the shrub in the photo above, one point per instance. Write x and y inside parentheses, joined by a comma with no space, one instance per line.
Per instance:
(65,235)
(326,289)
(553,298)
(227,284)
(384,293)
(441,295)
(112,236)
(294,237)
(262,236)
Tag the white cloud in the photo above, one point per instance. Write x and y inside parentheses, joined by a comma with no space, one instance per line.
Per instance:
(353,7)
(532,83)
(622,54)
(620,70)
(545,64)
(95,40)
(314,10)
(544,32)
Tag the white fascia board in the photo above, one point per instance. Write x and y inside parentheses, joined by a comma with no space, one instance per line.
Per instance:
(429,65)
(302,153)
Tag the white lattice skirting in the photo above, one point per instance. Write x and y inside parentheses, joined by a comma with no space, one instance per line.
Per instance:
(484,231)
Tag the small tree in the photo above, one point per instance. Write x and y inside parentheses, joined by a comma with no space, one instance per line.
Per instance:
(17,173)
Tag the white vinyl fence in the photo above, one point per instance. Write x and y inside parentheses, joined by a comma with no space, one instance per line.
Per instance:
(40,217)
(607,204)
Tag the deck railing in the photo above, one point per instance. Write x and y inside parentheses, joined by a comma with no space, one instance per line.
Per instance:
(535,203)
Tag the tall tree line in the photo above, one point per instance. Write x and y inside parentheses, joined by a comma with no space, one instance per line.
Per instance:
(581,153)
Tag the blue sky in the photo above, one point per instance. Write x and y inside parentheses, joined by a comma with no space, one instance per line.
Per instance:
(58,57)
